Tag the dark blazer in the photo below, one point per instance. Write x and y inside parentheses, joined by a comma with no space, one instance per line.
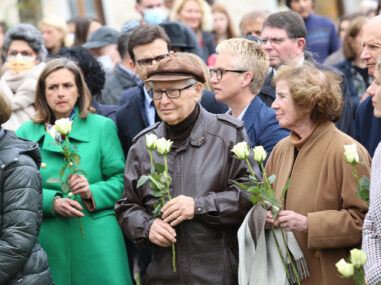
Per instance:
(367,128)
(345,124)
(108,111)
(261,125)
(131,118)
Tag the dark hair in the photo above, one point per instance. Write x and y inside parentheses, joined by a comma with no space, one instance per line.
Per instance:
(353,30)
(82,25)
(289,21)
(123,43)
(5,109)
(146,34)
(43,112)
(92,71)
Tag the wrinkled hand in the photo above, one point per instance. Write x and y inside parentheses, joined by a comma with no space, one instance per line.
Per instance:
(67,208)
(162,234)
(79,185)
(178,210)
(291,221)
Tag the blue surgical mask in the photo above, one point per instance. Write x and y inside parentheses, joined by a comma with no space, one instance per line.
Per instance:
(154,16)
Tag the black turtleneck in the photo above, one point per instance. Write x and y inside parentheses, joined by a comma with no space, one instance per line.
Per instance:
(179,133)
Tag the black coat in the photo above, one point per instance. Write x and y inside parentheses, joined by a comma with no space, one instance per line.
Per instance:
(22,260)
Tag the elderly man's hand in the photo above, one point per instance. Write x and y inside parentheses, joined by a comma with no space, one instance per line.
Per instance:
(178,210)
(162,234)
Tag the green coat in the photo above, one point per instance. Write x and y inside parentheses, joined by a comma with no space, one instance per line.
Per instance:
(100,258)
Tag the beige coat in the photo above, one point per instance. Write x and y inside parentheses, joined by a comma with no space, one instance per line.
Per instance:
(19,90)
(322,188)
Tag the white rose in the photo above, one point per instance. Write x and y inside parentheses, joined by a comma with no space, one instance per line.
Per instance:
(241,151)
(53,133)
(63,126)
(346,269)
(358,257)
(259,154)
(351,155)
(163,146)
(151,141)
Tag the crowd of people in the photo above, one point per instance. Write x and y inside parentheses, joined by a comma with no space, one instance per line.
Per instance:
(80,100)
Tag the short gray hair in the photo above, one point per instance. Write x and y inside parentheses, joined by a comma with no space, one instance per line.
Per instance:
(28,33)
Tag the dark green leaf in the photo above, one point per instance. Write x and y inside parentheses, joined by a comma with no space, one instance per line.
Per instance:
(54,180)
(245,187)
(62,172)
(255,199)
(159,167)
(65,187)
(142,180)
(76,159)
(285,189)
(157,211)
(159,185)
(152,185)
(272,179)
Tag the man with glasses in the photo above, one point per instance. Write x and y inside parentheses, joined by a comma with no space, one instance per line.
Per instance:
(206,208)
(284,39)
(238,74)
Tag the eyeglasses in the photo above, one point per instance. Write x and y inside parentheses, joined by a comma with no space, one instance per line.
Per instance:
(274,41)
(23,53)
(149,61)
(170,93)
(220,72)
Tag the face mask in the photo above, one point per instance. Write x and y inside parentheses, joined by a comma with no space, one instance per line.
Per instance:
(154,16)
(19,64)
(107,64)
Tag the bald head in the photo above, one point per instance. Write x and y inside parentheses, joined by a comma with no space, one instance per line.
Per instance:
(372,43)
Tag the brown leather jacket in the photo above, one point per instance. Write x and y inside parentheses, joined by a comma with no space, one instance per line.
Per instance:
(206,247)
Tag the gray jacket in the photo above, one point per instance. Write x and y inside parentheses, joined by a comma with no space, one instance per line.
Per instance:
(115,85)
(22,260)
(203,168)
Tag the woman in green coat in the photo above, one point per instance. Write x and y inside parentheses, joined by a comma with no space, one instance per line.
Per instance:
(99,255)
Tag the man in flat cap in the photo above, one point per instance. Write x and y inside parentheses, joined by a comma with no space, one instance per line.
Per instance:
(206,207)
(102,43)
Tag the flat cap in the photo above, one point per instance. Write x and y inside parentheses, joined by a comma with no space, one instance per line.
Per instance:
(173,69)
(101,37)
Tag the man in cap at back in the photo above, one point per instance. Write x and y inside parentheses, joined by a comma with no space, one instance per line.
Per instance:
(102,43)
(124,76)
(206,207)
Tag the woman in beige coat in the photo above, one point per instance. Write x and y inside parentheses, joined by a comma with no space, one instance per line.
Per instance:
(24,49)
(320,207)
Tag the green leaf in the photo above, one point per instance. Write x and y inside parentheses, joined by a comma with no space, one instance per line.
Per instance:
(253,179)
(255,199)
(152,185)
(272,179)
(159,194)
(157,211)
(159,167)
(62,172)
(54,180)
(65,187)
(364,181)
(80,170)
(76,158)
(142,180)
(243,186)
(285,189)
(254,190)
(159,185)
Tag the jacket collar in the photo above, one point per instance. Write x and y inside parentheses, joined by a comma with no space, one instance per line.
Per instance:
(80,132)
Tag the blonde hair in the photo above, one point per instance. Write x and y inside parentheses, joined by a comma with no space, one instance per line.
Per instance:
(312,90)
(5,109)
(250,57)
(198,62)
(205,13)
(43,112)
